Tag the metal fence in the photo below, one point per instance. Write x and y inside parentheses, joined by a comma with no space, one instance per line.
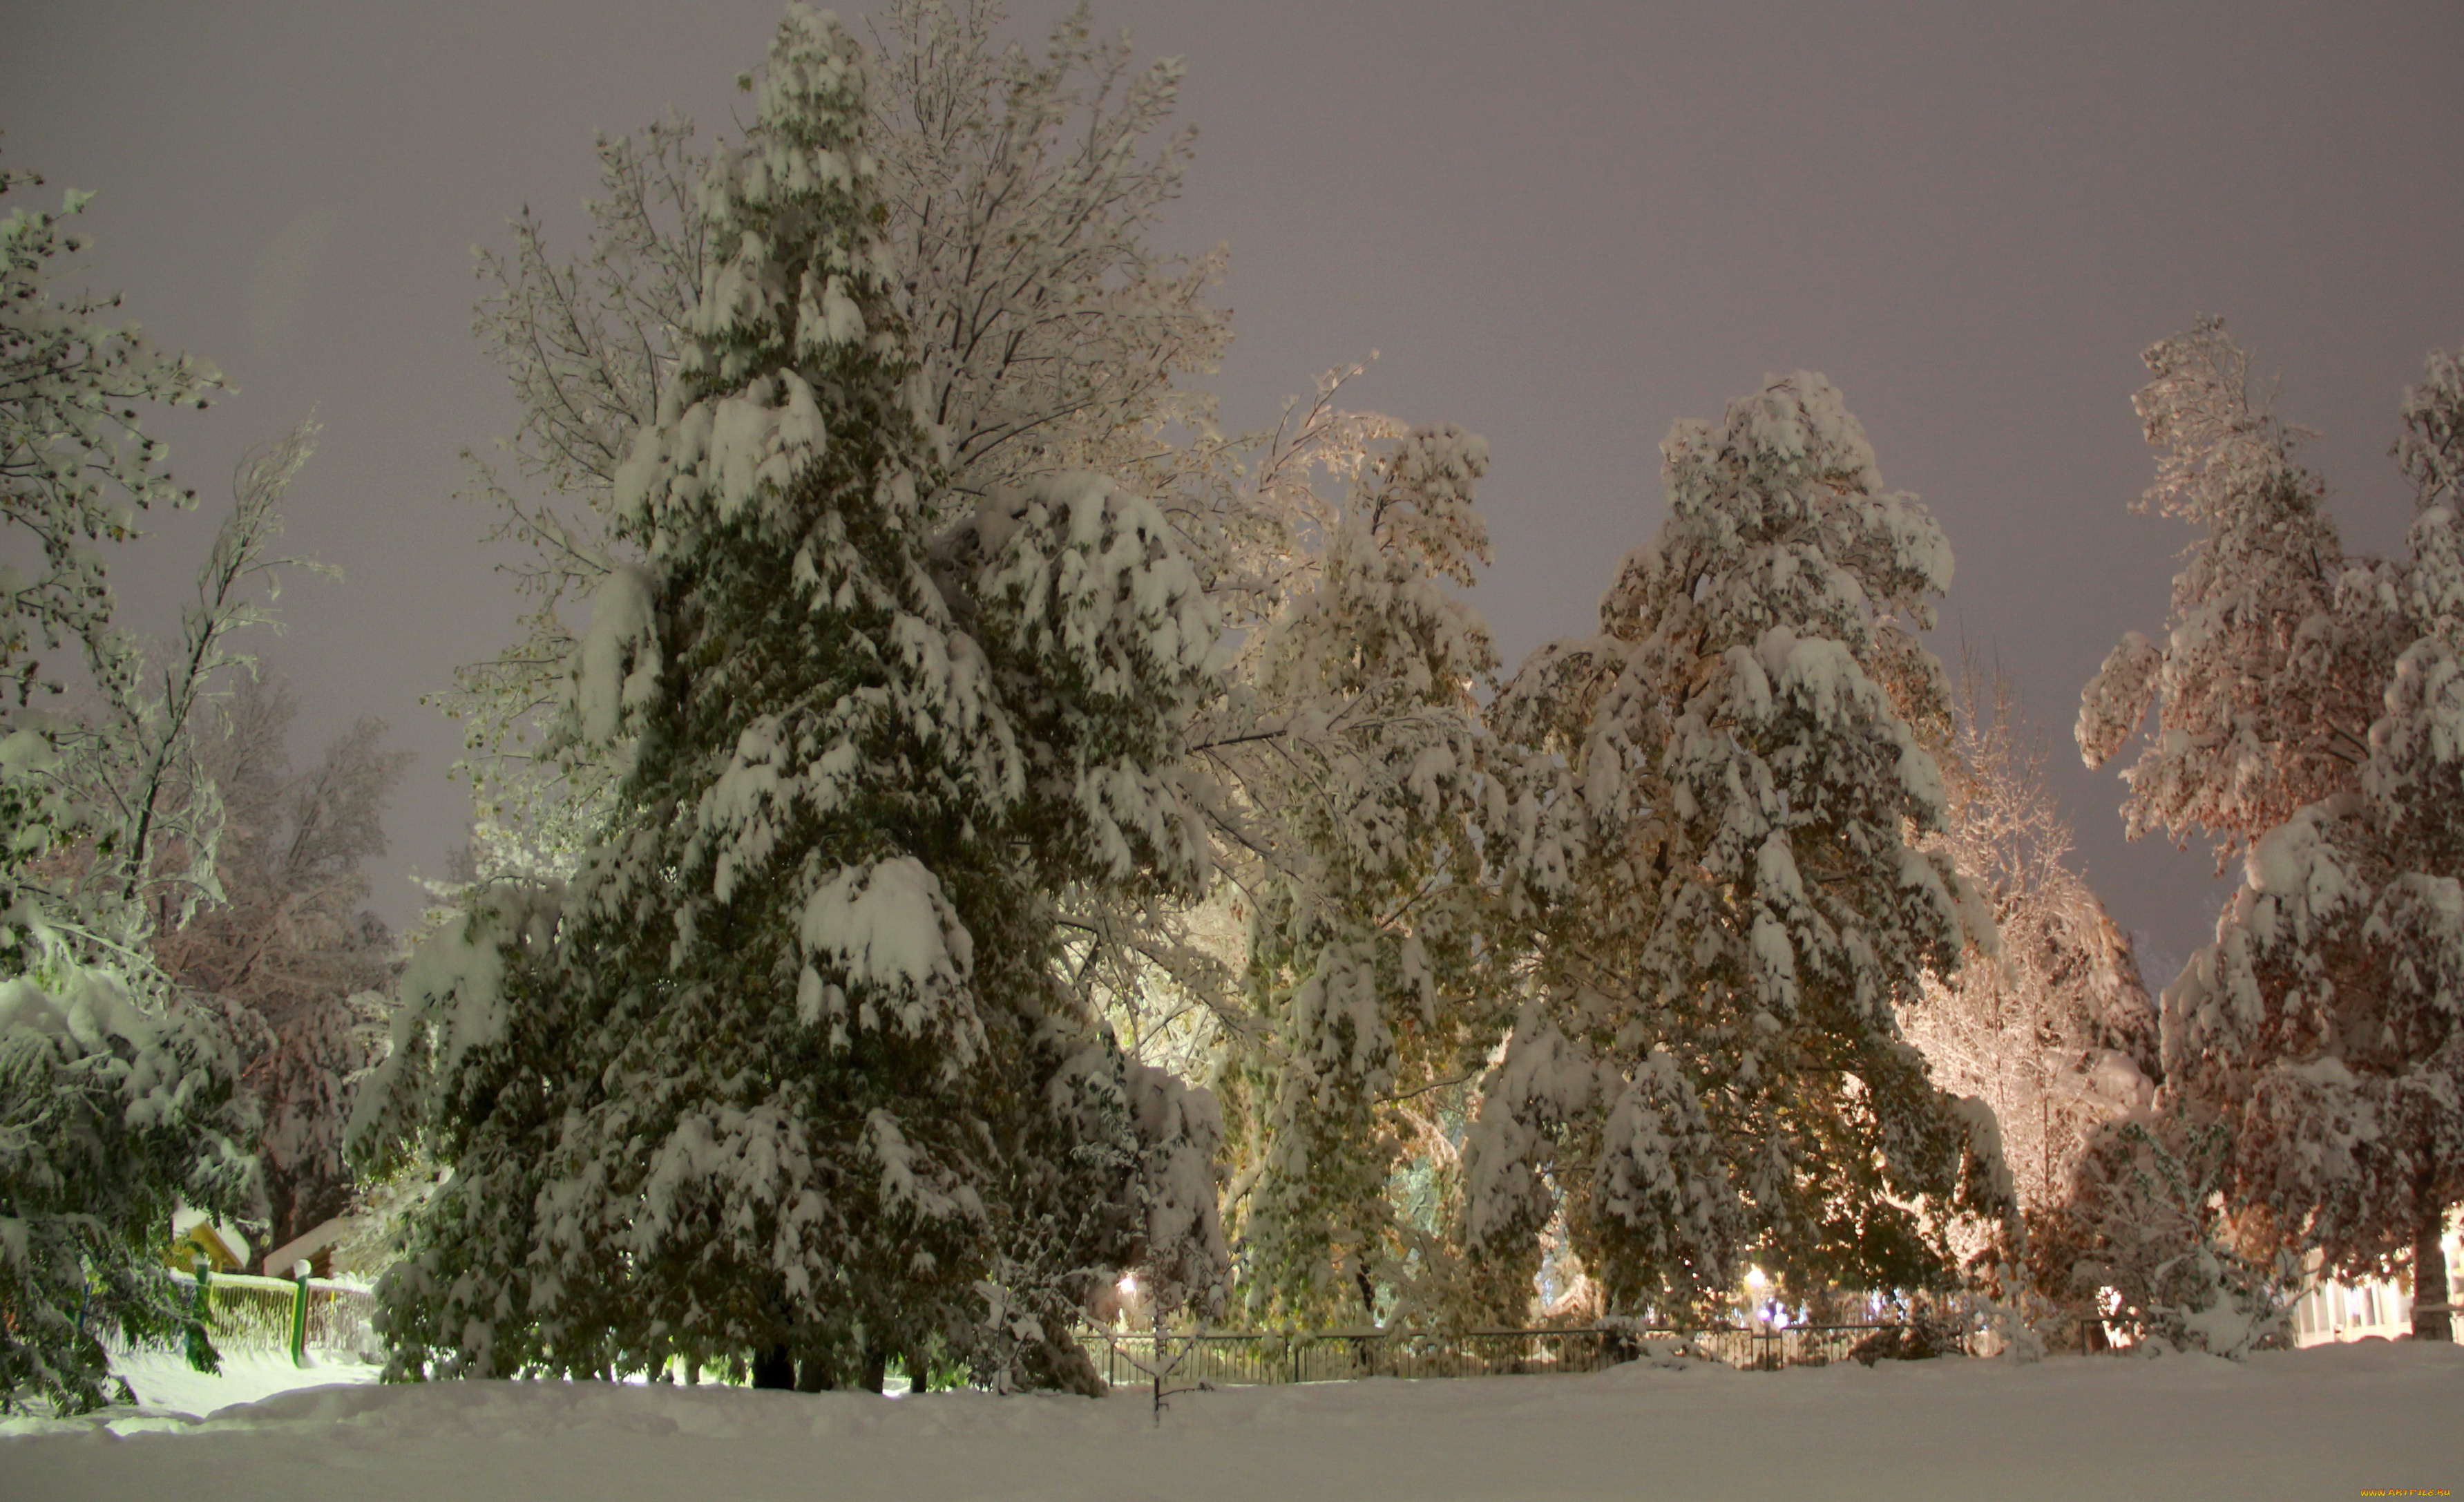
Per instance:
(1247,1358)
(254,1314)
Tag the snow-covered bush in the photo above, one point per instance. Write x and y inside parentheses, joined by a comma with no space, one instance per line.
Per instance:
(1711,858)
(110,1121)
(1181,1135)
(2143,1244)
(1921,1328)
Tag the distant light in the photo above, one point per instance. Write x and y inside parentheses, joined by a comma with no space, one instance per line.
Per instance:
(1129,1284)
(1754,1277)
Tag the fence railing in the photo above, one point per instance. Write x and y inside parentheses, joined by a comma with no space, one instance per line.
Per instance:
(254,1314)
(1225,1360)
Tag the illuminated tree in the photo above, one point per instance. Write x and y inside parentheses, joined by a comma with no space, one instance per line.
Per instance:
(786,1069)
(2308,709)
(1713,864)
(2054,1029)
(1352,733)
(2272,657)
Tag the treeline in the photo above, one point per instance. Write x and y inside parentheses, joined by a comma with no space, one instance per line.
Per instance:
(998,841)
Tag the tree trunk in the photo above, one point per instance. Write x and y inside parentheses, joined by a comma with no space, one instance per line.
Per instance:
(774,1368)
(2430,1319)
(818,1374)
(876,1368)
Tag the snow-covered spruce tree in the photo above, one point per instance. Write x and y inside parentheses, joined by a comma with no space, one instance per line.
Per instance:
(288,949)
(1363,888)
(1022,189)
(2324,1029)
(2054,1030)
(786,1071)
(116,1102)
(1715,866)
(1048,334)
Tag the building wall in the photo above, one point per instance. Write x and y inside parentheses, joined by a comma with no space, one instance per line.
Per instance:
(2328,1311)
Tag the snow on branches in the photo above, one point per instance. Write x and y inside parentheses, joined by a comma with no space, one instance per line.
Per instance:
(1347,767)
(75,466)
(1709,858)
(2053,1028)
(2309,712)
(110,1121)
(2268,678)
(785,1072)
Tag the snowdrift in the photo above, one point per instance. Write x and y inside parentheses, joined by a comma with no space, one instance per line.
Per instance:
(2328,1422)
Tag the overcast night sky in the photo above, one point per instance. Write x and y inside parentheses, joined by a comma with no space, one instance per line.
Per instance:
(1563,226)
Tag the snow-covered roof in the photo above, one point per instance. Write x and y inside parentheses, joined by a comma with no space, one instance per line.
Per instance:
(223,1242)
(307,1243)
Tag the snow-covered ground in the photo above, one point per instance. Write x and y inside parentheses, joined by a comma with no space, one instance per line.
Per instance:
(169,1391)
(2329,1423)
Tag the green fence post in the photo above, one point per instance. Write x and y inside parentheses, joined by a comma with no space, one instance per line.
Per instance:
(299,1312)
(201,1353)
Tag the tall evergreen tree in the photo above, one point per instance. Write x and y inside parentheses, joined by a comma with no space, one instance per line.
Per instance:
(1020,188)
(1364,965)
(786,1071)
(2277,644)
(1714,865)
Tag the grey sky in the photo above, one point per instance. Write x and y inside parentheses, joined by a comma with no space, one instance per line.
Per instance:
(1563,225)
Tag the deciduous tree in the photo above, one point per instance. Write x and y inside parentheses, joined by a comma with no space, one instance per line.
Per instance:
(287,947)
(116,1101)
